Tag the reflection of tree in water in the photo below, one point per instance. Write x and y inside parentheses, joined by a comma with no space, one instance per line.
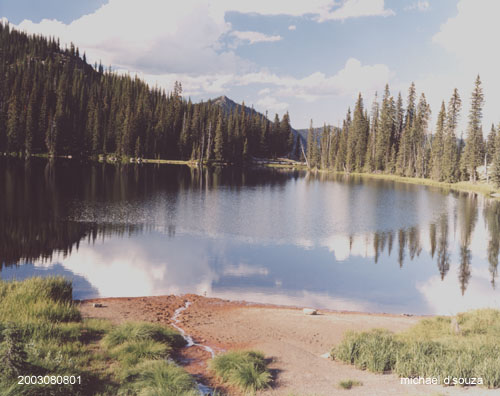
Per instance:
(464,271)
(402,244)
(468,219)
(379,242)
(376,245)
(443,255)
(414,242)
(50,206)
(390,239)
(432,235)
(492,218)
(409,239)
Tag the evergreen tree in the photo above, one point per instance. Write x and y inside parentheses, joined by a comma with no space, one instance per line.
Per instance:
(219,140)
(13,125)
(420,143)
(473,146)
(495,173)
(358,139)
(438,145)
(325,146)
(405,154)
(310,143)
(373,126)
(450,162)
(385,131)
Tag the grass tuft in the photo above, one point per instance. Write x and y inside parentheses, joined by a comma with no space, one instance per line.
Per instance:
(131,353)
(246,370)
(160,378)
(349,384)
(38,300)
(137,331)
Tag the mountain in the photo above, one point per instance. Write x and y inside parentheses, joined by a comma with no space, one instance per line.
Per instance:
(304,131)
(228,105)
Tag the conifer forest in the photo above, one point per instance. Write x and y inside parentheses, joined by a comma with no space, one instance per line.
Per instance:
(53,102)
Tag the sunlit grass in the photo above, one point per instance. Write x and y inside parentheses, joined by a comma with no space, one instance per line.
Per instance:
(160,378)
(136,331)
(431,348)
(246,370)
(465,186)
(42,333)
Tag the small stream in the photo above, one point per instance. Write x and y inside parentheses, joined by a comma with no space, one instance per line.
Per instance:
(203,389)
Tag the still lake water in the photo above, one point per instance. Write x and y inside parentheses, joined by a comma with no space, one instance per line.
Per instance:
(285,237)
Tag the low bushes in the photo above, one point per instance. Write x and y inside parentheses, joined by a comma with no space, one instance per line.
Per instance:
(246,370)
(431,349)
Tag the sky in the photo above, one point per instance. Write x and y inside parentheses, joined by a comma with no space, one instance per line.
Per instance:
(310,58)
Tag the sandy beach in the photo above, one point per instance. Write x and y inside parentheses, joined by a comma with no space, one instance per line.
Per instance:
(295,343)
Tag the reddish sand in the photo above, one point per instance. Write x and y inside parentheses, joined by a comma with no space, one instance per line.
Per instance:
(293,341)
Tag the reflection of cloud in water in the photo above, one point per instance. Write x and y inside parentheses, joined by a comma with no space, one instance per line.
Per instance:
(344,246)
(140,268)
(302,298)
(244,270)
(445,298)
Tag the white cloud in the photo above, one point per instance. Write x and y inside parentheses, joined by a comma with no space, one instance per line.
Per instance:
(245,270)
(272,104)
(421,5)
(292,27)
(255,37)
(149,37)
(156,37)
(350,80)
(356,9)
(162,43)
(467,37)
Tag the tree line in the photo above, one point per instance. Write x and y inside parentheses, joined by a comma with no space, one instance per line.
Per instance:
(395,139)
(52,101)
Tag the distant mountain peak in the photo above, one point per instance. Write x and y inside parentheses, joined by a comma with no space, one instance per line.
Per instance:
(229,105)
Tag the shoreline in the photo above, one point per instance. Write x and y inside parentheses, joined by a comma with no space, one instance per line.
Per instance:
(246,303)
(487,190)
(296,344)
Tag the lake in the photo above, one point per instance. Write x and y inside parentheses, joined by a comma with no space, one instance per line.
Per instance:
(263,235)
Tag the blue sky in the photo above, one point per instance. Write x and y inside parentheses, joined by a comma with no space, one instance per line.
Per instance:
(308,57)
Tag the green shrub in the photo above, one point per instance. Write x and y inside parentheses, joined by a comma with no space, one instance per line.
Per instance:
(244,369)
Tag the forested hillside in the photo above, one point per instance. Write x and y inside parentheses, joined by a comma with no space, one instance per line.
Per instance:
(52,101)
